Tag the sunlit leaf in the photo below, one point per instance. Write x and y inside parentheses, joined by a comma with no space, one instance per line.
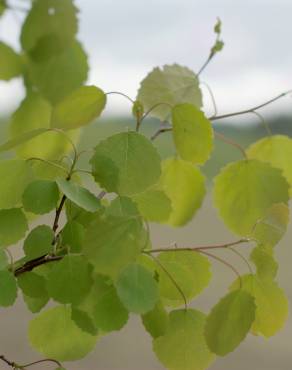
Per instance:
(8,288)
(245,190)
(79,108)
(18,175)
(117,163)
(137,289)
(184,185)
(271,304)
(192,133)
(40,197)
(54,334)
(69,280)
(171,85)
(183,346)
(13,226)
(263,258)
(189,270)
(10,62)
(229,322)
(79,195)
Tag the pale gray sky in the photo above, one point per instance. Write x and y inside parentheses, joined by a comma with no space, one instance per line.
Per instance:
(126,39)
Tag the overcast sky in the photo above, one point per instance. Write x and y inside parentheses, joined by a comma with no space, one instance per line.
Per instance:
(126,39)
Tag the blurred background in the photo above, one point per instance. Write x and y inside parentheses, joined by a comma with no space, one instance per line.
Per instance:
(124,41)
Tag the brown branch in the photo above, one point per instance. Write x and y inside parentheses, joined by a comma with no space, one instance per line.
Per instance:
(199,248)
(30,265)
(58,214)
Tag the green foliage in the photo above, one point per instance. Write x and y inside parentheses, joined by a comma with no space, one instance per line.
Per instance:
(190,271)
(192,133)
(229,322)
(117,164)
(13,226)
(54,334)
(19,174)
(252,187)
(184,185)
(167,87)
(8,288)
(79,108)
(40,197)
(183,346)
(137,289)
(94,254)
(10,62)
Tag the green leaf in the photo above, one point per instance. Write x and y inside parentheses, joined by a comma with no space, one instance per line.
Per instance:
(171,85)
(3,260)
(8,288)
(262,257)
(276,150)
(38,242)
(108,312)
(122,207)
(229,322)
(21,139)
(69,280)
(156,321)
(271,228)
(112,243)
(79,108)
(3,7)
(54,334)
(10,62)
(17,175)
(43,32)
(40,197)
(190,271)
(271,304)
(245,190)
(31,134)
(83,321)
(73,236)
(192,133)
(77,214)
(117,163)
(32,285)
(183,346)
(13,226)
(184,185)
(153,205)
(59,75)
(137,289)
(79,195)
(35,304)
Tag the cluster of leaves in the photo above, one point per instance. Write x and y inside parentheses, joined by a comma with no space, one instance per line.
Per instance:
(95,260)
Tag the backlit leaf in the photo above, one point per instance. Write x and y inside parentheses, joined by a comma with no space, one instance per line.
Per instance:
(54,334)
(192,133)
(8,288)
(245,190)
(38,242)
(263,258)
(40,197)
(69,280)
(229,322)
(13,226)
(10,63)
(137,289)
(79,108)
(183,346)
(171,85)
(156,321)
(79,195)
(184,185)
(117,163)
(17,175)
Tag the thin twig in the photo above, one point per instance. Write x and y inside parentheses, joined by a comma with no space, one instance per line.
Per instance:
(239,113)
(172,280)
(42,361)
(122,94)
(200,247)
